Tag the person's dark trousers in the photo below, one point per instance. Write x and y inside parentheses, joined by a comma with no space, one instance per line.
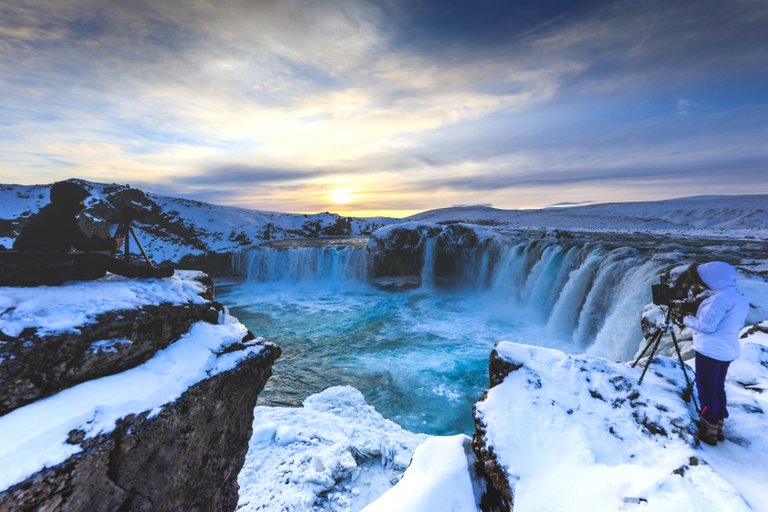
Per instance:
(91,266)
(710,382)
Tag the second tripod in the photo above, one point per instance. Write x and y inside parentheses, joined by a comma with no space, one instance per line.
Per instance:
(125,231)
(654,343)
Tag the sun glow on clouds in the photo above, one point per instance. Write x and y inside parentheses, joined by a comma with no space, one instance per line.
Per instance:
(336,95)
(341,196)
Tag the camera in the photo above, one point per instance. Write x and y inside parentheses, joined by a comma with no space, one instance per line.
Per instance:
(129,214)
(683,295)
(665,295)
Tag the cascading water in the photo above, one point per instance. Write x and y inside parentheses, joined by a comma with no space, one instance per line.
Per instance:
(428,268)
(330,264)
(420,356)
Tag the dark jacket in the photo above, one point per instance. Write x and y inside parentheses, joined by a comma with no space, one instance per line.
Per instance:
(55,230)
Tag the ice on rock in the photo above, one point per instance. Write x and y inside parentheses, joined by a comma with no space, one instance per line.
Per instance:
(439,478)
(334,454)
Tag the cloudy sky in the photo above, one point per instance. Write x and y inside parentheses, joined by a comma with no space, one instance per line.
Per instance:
(391,106)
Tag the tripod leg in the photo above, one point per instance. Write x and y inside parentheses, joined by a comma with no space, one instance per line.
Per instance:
(688,394)
(651,342)
(141,248)
(127,246)
(119,232)
(650,357)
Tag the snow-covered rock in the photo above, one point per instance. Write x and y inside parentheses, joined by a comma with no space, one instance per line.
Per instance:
(52,337)
(334,454)
(569,432)
(441,477)
(172,228)
(136,413)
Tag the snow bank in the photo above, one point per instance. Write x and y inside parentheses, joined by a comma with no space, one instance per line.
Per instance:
(702,216)
(334,454)
(439,478)
(63,308)
(575,433)
(35,436)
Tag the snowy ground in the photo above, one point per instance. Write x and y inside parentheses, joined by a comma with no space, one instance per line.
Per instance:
(693,217)
(334,454)
(35,436)
(577,434)
(742,459)
(63,308)
(440,477)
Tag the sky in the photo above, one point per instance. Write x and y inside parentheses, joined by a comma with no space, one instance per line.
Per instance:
(388,107)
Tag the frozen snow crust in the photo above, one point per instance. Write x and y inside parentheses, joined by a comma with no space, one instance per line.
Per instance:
(51,309)
(334,454)
(441,477)
(569,432)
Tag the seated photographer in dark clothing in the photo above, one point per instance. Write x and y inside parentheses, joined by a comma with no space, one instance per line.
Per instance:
(46,240)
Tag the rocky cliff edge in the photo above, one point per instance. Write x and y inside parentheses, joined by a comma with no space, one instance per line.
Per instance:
(125,394)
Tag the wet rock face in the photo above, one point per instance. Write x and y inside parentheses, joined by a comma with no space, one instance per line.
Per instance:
(34,366)
(185,458)
(402,250)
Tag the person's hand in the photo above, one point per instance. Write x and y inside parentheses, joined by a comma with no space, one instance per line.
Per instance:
(119,242)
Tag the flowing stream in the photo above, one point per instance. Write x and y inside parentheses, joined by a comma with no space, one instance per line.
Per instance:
(420,356)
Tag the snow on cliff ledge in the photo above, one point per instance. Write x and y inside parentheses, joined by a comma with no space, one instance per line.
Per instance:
(36,435)
(51,309)
(576,433)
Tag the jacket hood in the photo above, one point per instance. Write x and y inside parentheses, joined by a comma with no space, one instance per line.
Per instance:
(68,193)
(717,274)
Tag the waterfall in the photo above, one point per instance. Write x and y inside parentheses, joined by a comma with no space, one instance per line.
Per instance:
(428,267)
(586,295)
(329,265)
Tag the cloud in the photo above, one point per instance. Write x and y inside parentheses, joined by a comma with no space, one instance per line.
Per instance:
(242,175)
(275,101)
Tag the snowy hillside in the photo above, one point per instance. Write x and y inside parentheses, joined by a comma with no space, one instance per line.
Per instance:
(718,216)
(171,228)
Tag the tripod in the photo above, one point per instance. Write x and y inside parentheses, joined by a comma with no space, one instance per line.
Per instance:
(653,344)
(125,230)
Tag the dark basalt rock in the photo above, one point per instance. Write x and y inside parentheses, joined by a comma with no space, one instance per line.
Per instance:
(187,457)
(400,251)
(214,264)
(35,366)
(498,495)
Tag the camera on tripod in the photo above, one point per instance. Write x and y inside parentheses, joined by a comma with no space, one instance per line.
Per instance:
(124,219)
(682,296)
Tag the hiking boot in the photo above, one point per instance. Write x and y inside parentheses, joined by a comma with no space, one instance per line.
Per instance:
(707,432)
(720,427)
